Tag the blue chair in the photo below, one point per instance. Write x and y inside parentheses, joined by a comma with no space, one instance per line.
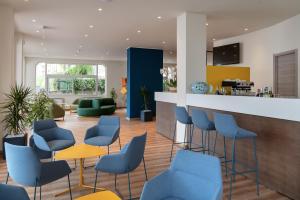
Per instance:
(105,133)
(25,168)
(227,126)
(129,158)
(10,192)
(182,116)
(201,121)
(191,176)
(49,137)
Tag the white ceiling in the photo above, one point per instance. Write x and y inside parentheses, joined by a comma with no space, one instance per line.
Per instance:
(68,20)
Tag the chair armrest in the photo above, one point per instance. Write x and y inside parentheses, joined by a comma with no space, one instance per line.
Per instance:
(113,163)
(91,132)
(40,142)
(157,188)
(65,134)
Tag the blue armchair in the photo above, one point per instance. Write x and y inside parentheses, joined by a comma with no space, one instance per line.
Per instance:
(25,168)
(105,133)
(124,162)
(49,137)
(192,176)
(12,192)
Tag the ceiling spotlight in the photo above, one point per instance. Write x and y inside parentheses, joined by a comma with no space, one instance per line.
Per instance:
(127,39)
(91,26)
(42,43)
(26,0)
(100,9)
(159,17)
(139,31)
(206,24)
(86,35)
(80,46)
(246,29)
(164,42)
(37,31)
(214,39)
(33,20)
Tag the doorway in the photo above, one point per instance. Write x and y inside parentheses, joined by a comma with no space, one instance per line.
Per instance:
(286,74)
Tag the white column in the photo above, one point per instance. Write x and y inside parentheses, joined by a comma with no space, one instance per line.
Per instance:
(19,55)
(191,57)
(7,67)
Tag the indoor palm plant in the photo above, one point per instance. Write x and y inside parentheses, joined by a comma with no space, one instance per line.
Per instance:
(15,110)
(146,113)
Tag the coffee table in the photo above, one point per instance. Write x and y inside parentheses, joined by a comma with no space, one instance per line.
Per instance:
(80,152)
(104,195)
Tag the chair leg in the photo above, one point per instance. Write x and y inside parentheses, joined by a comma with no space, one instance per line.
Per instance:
(108,149)
(95,185)
(120,143)
(75,164)
(7,178)
(256,167)
(191,135)
(35,190)
(225,156)
(145,169)
(232,174)
(129,187)
(70,186)
(202,141)
(173,141)
(215,143)
(115,181)
(208,142)
(40,192)
(205,141)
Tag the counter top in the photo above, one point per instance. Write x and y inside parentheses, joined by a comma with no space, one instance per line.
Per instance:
(279,108)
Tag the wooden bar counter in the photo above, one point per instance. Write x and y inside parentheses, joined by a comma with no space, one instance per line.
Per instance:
(275,121)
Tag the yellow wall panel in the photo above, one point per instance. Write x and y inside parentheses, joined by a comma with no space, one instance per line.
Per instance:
(216,74)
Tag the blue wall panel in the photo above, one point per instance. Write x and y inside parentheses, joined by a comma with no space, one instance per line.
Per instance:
(143,69)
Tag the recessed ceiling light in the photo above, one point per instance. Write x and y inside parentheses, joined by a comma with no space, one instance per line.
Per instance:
(127,39)
(139,31)
(100,9)
(91,26)
(26,0)
(246,29)
(214,39)
(80,46)
(164,42)
(33,20)
(86,35)
(159,17)
(42,43)
(206,24)
(37,31)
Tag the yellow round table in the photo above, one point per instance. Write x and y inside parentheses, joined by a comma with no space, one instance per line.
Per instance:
(80,151)
(105,195)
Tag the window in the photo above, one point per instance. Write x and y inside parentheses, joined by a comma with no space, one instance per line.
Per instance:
(72,79)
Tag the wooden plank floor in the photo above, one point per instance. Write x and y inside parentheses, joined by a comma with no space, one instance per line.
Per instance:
(156,156)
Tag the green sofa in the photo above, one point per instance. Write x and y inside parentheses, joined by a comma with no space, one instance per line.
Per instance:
(96,107)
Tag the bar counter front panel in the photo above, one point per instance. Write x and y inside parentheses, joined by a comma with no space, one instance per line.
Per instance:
(278,145)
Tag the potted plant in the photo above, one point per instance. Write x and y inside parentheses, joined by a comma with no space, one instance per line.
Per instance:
(15,111)
(114,95)
(146,113)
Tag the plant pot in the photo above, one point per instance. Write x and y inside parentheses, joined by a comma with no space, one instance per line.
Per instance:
(146,115)
(20,140)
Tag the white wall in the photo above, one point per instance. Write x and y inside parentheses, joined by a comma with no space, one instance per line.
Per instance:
(115,71)
(7,70)
(258,48)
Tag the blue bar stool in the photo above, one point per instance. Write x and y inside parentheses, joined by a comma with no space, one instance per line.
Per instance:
(201,121)
(183,117)
(226,126)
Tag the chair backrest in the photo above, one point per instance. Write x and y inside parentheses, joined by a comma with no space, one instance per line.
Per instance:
(12,192)
(135,151)
(109,120)
(225,124)
(23,164)
(205,166)
(200,119)
(85,103)
(43,125)
(182,115)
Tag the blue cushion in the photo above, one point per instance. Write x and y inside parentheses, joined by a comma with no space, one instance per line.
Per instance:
(56,145)
(99,141)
